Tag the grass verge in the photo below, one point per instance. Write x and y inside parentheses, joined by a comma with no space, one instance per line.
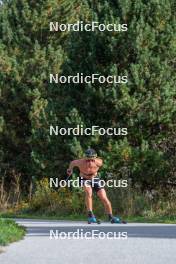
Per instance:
(10,231)
(131,219)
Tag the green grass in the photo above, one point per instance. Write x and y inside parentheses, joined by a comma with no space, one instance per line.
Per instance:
(153,219)
(10,231)
(134,219)
(44,216)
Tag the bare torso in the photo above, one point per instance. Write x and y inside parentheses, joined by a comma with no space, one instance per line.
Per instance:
(88,167)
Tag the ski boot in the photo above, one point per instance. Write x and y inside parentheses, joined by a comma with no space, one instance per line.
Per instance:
(117,220)
(93,220)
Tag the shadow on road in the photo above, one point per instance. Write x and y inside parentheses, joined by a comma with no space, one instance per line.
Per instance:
(132,231)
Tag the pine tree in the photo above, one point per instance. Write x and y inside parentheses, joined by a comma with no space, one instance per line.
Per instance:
(145,105)
(29,53)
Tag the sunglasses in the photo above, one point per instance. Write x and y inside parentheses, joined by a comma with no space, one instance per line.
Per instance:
(90,159)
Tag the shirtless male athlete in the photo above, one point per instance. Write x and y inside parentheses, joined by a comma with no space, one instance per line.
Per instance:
(88,168)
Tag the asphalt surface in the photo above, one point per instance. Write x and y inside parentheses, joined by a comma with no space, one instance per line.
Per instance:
(60,242)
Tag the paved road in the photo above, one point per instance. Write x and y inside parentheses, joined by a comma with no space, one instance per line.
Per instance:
(145,243)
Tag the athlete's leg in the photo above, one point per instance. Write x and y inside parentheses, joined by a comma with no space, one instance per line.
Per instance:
(88,197)
(107,204)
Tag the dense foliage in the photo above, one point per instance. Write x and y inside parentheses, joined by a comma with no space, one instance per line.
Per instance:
(146,105)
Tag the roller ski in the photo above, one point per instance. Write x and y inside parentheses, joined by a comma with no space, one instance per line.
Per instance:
(93,220)
(117,220)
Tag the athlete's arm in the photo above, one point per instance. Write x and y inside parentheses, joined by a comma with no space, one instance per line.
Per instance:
(99,162)
(73,164)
